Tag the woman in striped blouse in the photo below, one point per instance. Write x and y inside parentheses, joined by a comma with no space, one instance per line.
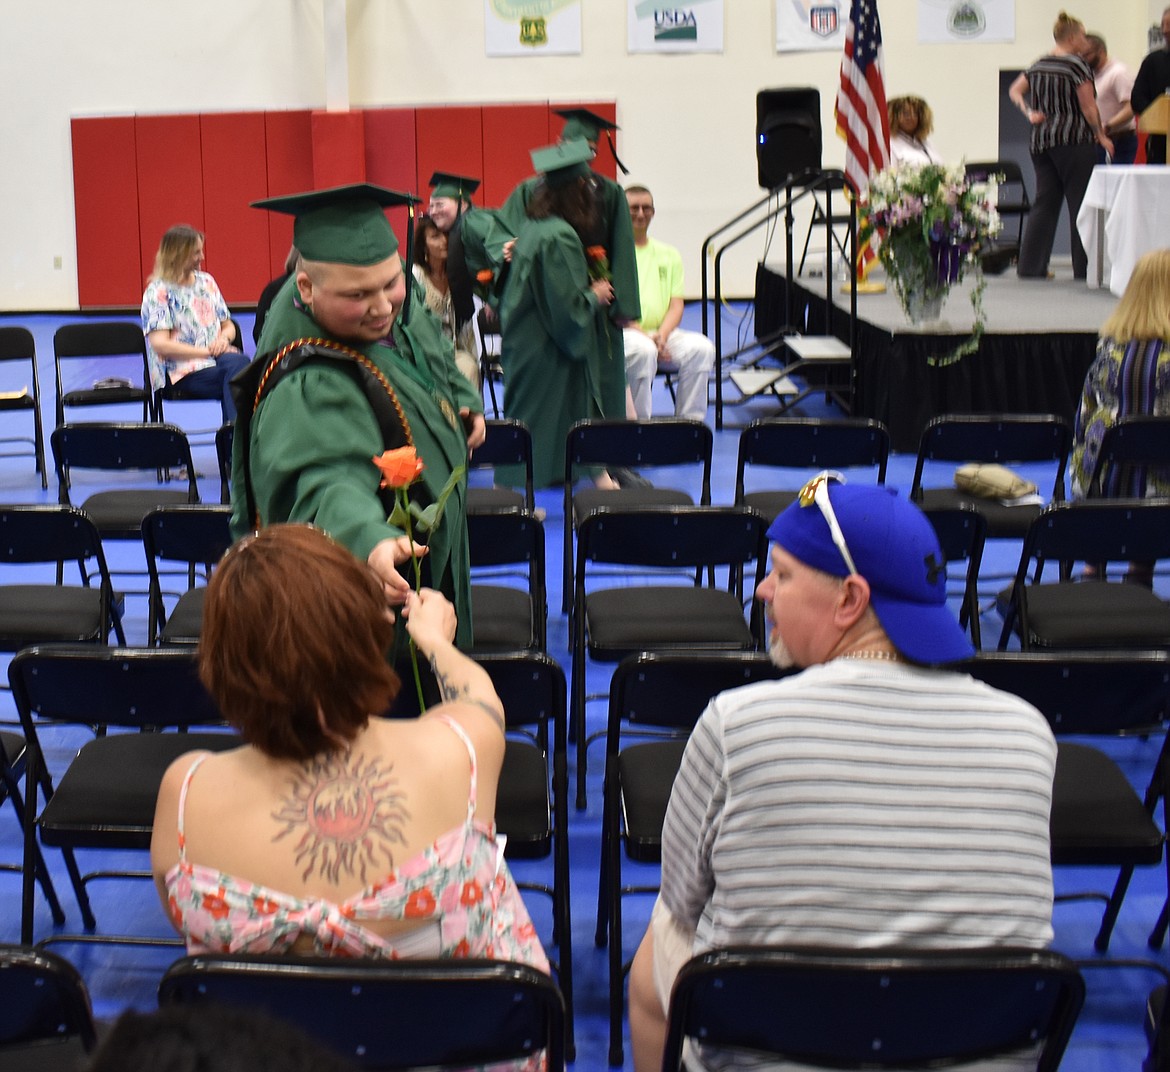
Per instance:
(1057,97)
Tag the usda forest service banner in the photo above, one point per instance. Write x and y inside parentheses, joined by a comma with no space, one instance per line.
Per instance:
(532,27)
(655,26)
(811,25)
(948,21)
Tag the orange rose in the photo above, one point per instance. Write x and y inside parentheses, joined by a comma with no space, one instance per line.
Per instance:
(484,275)
(400,468)
(595,253)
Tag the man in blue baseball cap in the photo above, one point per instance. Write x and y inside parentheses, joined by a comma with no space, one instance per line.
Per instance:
(872,800)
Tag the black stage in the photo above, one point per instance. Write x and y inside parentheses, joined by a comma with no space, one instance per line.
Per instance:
(1037,347)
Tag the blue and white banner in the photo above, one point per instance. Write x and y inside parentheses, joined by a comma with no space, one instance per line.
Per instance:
(694,26)
(532,27)
(811,25)
(950,21)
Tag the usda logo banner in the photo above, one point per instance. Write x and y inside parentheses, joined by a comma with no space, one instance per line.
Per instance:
(694,26)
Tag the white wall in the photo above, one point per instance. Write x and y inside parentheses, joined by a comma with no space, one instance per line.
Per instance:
(688,121)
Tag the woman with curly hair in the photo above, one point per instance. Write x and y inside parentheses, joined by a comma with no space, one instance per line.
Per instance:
(911,124)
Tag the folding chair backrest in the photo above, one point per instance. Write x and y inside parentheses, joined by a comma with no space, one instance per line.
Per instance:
(17,344)
(43,1000)
(885,1009)
(672,689)
(641,444)
(678,537)
(102,339)
(387,1014)
(511,538)
(507,442)
(122,446)
(46,533)
(132,687)
(531,685)
(999,438)
(1127,449)
(1083,692)
(196,533)
(812,444)
(1099,531)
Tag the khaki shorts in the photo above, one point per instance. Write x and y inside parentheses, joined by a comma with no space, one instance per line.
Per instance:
(673,946)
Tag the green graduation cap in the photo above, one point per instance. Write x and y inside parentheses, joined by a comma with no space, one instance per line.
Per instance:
(562,163)
(456,187)
(582,123)
(344,224)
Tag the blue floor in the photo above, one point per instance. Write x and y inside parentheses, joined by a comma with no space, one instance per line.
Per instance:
(1109,1034)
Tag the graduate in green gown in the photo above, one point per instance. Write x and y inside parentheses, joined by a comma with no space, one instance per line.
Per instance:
(556,350)
(612,232)
(312,438)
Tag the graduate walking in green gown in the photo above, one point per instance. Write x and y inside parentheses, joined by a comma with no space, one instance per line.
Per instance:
(371,380)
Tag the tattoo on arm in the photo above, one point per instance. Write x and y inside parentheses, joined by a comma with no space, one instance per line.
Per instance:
(346,812)
(455,693)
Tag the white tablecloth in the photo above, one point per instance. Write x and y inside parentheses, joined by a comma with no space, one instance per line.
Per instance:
(1130,207)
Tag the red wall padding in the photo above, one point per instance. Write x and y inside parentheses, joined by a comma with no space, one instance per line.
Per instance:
(287,137)
(169,156)
(105,200)
(134,177)
(235,173)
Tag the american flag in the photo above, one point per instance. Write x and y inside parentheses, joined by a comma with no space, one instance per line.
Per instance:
(861,105)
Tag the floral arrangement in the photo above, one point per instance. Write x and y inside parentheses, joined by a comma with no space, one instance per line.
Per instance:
(400,468)
(930,223)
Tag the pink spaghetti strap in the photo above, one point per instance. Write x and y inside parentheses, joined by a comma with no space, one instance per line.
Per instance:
(183,803)
(461,733)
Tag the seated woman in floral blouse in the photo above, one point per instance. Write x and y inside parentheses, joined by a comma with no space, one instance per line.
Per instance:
(331,830)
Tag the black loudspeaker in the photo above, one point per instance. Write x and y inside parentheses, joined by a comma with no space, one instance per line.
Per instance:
(788,134)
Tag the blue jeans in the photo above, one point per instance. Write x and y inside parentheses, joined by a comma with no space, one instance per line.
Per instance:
(214,381)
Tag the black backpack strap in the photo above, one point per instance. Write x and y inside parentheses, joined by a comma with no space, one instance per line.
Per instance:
(255,382)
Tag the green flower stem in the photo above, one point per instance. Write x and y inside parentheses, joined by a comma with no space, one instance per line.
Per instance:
(401,495)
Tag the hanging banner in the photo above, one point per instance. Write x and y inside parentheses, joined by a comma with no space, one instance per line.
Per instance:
(532,27)
(696,26)
(948,21)
(811,25)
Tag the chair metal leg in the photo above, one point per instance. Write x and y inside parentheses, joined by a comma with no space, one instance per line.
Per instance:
(616,972)
(1112,910)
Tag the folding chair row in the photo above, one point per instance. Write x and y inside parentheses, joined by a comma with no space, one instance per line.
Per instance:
(17,345)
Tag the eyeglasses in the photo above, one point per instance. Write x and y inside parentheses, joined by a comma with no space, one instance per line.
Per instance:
(648,209)
(816,491)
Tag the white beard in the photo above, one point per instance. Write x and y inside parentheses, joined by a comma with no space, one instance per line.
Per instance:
(778,651)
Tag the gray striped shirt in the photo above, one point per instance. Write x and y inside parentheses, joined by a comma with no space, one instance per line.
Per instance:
(1052,89)
(863,804)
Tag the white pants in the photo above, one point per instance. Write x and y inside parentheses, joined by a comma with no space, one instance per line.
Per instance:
(693,353)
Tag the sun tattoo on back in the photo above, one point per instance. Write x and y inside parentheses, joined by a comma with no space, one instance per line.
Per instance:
(347,812)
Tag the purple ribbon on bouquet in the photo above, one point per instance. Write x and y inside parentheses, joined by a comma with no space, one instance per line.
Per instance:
(948,258)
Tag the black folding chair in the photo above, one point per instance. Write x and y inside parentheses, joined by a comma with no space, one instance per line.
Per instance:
(1128,450)
(197,536)
(112,343)
(1012,201)
(662,694)
(613,622)
(961,533)
(106,797)
(46,1020)
(508,442)
(223,456)
(504,617)
(532,800)
(803,446)
(16,344)
(1091,612)
(890,1008)
(389,1014)
(666,441)
(1098,818)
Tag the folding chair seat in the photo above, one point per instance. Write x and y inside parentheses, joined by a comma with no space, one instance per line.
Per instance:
(196,536)
(804,446)
(106,797)
(613,622)
(1095,612)
(508,442)
(505,617)
(117,344)
(16,344)
(664,441)
(1000,438)
(889,1008)
(156,448)
(961,533)
(389,1014)
(223,456)
(532,800)
(664,693)
(51,611)
(1098,818)
(46,1020)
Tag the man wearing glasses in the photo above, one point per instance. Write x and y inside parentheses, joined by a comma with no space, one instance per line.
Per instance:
(873,800)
